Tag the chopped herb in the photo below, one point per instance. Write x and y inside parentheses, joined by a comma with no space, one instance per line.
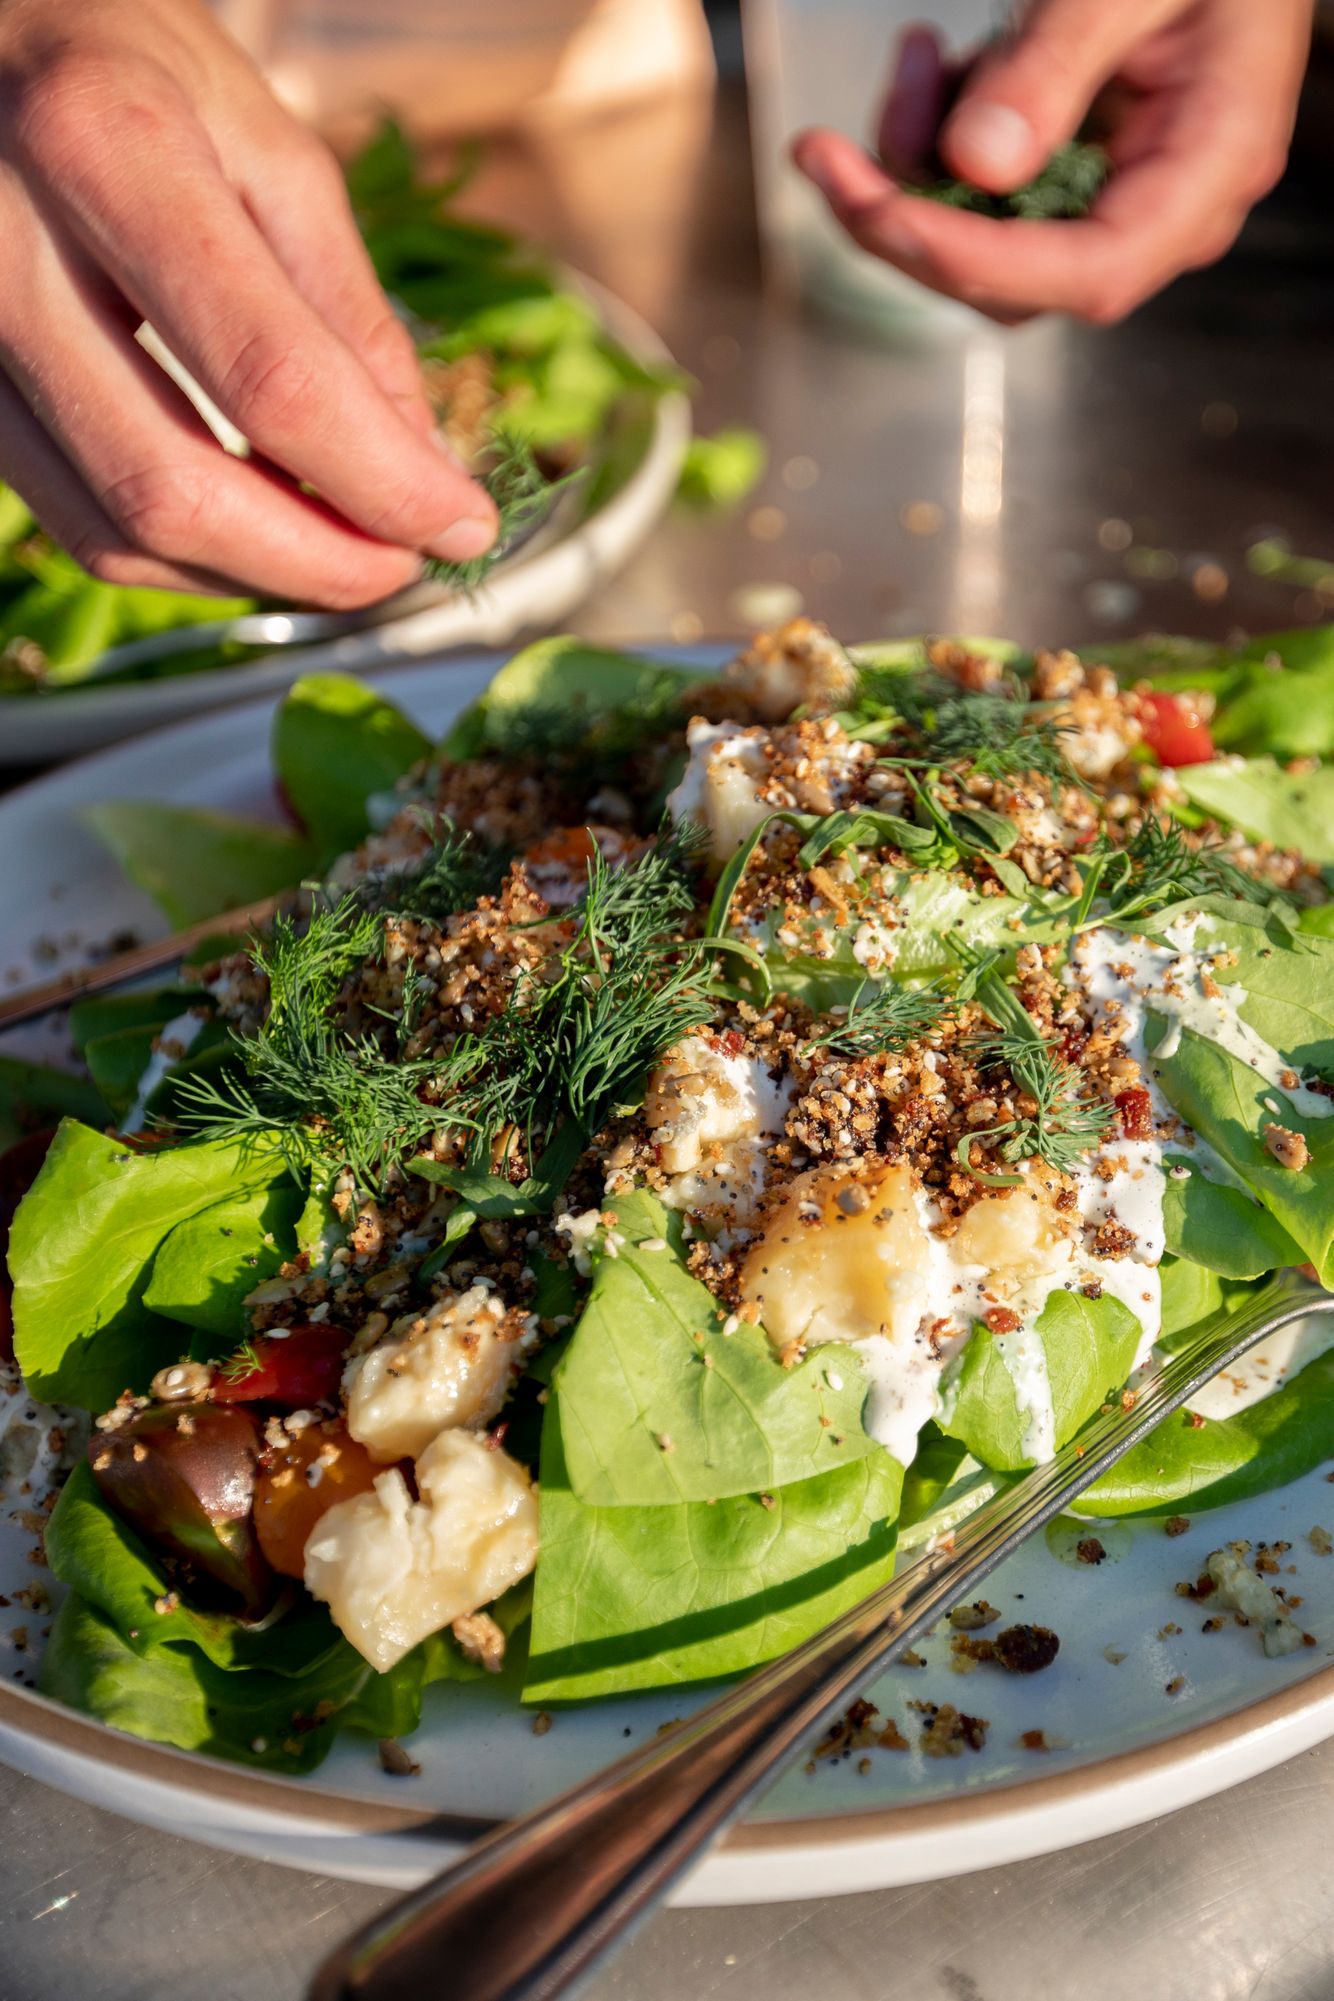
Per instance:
(883,1018)
(522,492)
(457,871)
(1065,1123)
(1066,188)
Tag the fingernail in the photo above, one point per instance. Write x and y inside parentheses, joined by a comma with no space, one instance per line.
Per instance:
(998,139)
(918,65)
(462,540)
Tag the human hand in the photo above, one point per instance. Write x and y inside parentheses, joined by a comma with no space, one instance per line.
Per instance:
(150,175)
(1201,110)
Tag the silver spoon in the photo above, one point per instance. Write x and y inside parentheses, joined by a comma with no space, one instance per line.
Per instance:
(533,1908)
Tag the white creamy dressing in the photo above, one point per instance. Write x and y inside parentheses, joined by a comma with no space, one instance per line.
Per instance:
(718,788)
(169,1046)
(905,1376)
(1166,979)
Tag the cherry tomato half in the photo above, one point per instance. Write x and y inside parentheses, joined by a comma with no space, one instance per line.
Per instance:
(298,1368)
(1174,730)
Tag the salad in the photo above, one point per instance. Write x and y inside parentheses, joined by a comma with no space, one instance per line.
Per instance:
(528,384)
(688,1139)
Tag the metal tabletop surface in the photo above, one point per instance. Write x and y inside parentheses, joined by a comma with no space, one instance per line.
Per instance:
(1053,484)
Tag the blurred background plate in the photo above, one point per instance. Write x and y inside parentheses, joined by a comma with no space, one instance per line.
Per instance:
(568,557)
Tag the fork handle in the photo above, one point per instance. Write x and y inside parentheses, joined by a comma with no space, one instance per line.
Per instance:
(531,1908)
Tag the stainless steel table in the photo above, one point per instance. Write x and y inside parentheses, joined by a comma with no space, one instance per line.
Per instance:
(1056,485)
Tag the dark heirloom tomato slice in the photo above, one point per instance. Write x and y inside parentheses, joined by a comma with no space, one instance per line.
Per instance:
(1174,730)
(183,1475)
(300,1367)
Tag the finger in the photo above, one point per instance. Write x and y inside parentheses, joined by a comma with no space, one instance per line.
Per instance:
(198,268)
(1031,91)
(1181,203)
(64,507)
(298,197)
(155,470)
(915,101)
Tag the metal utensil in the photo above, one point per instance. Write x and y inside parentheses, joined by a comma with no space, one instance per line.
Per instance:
(121,967)
(533,1907)
(271,631)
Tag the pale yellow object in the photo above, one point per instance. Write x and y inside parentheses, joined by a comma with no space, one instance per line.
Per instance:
(450,1364)
(393,1570)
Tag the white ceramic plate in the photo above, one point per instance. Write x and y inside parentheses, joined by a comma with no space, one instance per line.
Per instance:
(538,588)
(1123,1748)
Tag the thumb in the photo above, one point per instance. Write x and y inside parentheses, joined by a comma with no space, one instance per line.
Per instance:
(1029,93)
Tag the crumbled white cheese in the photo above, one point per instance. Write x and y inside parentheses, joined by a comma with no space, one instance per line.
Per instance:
(719,787)
(393,1570)
(1240,1589)
(448,1365)
(711,1114)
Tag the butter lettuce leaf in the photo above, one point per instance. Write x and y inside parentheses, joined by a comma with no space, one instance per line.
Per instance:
(658,1405)
(1182,1467)
(34,1096)
(336,743)
(81,1253)
(1229,1106)
(206,1266)
(632,1598)
(1220,1227)
(196,864)
(1089,1346)
(1267,802)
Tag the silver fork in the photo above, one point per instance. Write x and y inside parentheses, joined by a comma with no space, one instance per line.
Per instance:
(532,1908)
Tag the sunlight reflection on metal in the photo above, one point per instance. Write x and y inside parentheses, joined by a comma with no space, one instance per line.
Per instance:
(981,484)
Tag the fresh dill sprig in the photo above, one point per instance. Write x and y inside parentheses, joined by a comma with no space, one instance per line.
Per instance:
(457,870)
(628,909)
(1159,867)
(521,492)
(1066,1121)
(882,1018)
(573,1045)
(998,735)
(322,1091)
(581,1033)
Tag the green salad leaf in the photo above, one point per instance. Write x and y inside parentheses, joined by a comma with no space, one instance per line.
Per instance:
(1219,1226)
(196,864)
(336,743)
(1267,802)
(630,1598)
(97,1554)
(659,1405)
(34,1096)
(561,688)
(718,472)
(207,1265)
(1181,1467)
(81,1252)
(1229,1105)
(1089,1347)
